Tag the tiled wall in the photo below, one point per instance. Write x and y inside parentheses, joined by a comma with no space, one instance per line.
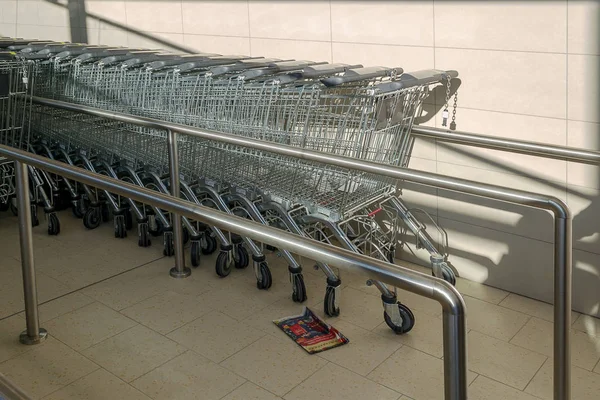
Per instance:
(529,70)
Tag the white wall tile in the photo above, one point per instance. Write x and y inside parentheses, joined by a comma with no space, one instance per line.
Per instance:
(586,280)
(409,58)
(383,22)
(291,49)
(299,20)
(8,11)
(585,206)
(157,40)
(585,135)
(27,12)
(514,126)
(113,11)
(218,44)
(53,14)
(584,27)
(155,16)
(584,88)
(500,25)
(515,82)
(493,214)
(111,37)
(8,29)
(218,18)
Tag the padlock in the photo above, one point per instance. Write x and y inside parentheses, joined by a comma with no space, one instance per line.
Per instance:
(445,117)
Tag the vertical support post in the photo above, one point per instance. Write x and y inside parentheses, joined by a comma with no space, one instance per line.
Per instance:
(34,334)
(455,354)
(179,270)
(562,306)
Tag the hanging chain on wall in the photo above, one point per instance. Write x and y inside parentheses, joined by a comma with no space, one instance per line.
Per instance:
(445,112)
(453,123)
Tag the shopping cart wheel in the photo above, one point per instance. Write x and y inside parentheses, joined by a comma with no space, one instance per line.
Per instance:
(155,227)
(4,206)
(447,275)
(53,224)
(169,249)
(209,244)
(298,287)
(408,320)
(195,252)
(143,236)
(77,210)
(13,208)
(223,264)
(265,280)
(329,304)
(91,219)
(120,227)
(241,259)
(186,236)
(34,215)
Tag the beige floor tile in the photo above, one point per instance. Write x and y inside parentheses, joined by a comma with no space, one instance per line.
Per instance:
(186,377)
(413,373)
(537,335)
(249,391)
(501,361)
(167,311)
(88,325)
(426,335)
(99,385)
(532,307)
(263,319)
(134,352)
(237,299)
(486,389)
(493,320)
(585,385)
(63,305)
(480,291)
(365,351)
(589,324)
(46,368)
(10,329)
(597,369)
(276,364)
(335,382)
(216,336)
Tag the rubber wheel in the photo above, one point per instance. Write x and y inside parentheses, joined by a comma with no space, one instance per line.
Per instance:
(168,250)
(76,209)
(329,304)
(242,260)
(159,228)
(299,289)
(53,224)
(222,265)
(209,244)
(408,320)
(390,255)
(34,216)
(143,237)
(120,227)
(91,219)
(186,236)
(5,206)
(13,208)
(447,275)
(266,280)
(195,252)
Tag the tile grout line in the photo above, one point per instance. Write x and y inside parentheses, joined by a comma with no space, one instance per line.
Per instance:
(330,31)
(537,372)
(520,329)
(305,379)
(249,29)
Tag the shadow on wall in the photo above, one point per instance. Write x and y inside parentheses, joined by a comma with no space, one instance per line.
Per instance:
(500,271)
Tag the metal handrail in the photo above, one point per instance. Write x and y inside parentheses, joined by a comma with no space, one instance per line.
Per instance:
(10,391)
(510,145)
(561,212)
(455,362)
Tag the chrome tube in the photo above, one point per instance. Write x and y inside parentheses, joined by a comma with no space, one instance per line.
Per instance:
(510,145)
(455,365)
(10,391)
(34,334)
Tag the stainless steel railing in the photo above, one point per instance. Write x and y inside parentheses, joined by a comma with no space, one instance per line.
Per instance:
(9,391)
(561,212)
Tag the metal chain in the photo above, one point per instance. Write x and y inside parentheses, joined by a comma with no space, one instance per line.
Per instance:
(445,111)
(453,123)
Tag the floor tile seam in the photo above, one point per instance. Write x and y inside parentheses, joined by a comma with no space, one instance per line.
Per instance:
(120,311)
(358,373)
(102,340)
(520,329)
(596,367)
(512,387)
(512,344)
(227,358)
(423,351)
(307,378)
(64,386)
(182,326)
(548,359)
(234,389)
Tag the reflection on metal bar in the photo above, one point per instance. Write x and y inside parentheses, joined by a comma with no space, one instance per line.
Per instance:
(511,145)
(562,214)
(454,321)
(8,390)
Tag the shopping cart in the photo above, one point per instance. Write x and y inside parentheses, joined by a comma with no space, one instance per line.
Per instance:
(347,110)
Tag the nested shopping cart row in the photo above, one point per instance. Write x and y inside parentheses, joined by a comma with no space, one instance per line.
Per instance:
(347,110)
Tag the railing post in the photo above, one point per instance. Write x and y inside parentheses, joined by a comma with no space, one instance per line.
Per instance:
(34,334)
(179,270)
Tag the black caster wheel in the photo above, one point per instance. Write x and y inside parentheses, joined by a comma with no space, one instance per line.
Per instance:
(120,227)
(5,206)
(13,208)
(77,210)
(143,236)
(91,219)
(128,220)
(299,289)
(195,252)
(408,320)
(34,216)
(186,236)
(169,249)
(329,306)
(390,255)
(155,227)
(223,264)
(105,212)
(447,275)
(209,244)
(265,281)
(53,224)
(241,259)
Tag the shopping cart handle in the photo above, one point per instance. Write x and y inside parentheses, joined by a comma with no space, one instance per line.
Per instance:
(317,71)
(360,74)
(210,62)
(241,65)
(181,60)
(417,78)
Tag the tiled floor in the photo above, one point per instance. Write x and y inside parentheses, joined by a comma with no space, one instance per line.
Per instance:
(121,328)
